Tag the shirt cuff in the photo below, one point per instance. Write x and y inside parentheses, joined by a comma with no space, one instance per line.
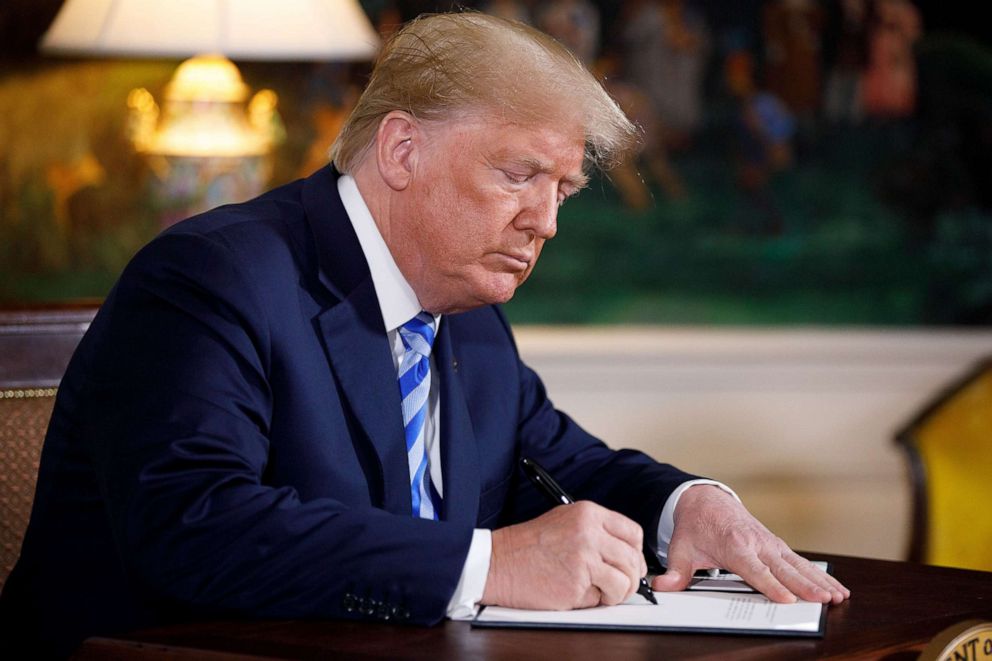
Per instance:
(666,524)
(464,603)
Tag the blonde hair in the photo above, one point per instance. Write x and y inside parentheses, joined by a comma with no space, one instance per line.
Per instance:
(443,64)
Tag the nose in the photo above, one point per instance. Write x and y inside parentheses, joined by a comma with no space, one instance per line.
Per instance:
(539,213)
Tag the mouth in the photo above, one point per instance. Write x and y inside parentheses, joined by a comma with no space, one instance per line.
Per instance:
(515,261)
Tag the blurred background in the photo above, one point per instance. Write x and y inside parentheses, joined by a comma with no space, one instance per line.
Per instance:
(803,162)
(796,260)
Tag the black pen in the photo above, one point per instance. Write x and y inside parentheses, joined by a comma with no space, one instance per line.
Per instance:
(547,485)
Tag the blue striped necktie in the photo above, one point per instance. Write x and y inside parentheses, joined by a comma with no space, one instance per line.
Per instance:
(415,385)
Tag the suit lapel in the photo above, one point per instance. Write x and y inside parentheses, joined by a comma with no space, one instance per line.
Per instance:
(459,453)
(360,356)
(354,339)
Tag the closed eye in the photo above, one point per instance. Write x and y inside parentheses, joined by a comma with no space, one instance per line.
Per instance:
(517,177)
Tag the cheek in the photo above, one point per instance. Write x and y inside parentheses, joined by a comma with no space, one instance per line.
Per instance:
(465,218)
(441,218)
(478,222)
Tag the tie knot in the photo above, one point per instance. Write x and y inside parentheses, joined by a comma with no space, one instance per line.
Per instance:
(418,334)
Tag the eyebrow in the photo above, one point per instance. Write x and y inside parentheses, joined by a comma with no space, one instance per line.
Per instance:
(578,181)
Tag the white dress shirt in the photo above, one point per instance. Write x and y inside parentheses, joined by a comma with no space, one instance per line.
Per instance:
(399,304)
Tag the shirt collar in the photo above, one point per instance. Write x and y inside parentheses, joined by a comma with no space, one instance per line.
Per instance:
(397,300)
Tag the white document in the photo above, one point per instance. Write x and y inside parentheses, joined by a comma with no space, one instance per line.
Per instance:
(697,612)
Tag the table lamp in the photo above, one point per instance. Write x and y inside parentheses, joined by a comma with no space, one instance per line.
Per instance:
(204,144)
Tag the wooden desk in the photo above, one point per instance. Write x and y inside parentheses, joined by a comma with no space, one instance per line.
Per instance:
(894,610)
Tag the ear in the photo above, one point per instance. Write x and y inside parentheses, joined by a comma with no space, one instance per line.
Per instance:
(397,142)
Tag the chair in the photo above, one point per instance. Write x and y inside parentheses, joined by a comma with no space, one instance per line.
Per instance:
(949,445)
(35,347)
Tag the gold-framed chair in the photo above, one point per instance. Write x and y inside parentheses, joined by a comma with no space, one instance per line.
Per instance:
(949,447)
(35,347)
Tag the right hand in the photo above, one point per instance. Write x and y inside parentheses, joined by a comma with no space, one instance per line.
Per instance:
(574,556)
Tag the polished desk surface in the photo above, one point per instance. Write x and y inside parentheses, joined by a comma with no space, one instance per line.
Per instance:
(894,610)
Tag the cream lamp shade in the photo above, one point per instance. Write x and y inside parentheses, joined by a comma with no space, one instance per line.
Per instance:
(206,142)
(304,30)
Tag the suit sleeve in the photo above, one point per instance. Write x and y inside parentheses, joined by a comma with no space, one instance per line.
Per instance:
(627,481)
(178,369)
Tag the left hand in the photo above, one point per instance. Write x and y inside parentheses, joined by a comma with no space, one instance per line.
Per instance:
(712,529)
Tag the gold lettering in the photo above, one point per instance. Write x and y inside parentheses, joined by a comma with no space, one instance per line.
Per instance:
(967,651)
(965,641)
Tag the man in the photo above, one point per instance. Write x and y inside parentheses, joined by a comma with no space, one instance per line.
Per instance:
(308,405)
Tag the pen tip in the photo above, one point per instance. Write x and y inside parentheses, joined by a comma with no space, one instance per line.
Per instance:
(645,591)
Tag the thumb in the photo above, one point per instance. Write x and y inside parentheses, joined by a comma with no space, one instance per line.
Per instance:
(680,568)
(675,579)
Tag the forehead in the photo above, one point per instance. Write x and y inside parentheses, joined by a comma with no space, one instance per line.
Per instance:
(553,146)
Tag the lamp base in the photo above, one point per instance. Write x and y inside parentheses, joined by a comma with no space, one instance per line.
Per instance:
(183,186)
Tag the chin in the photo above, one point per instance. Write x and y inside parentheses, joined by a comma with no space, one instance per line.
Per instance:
(502,294)
(494,296)
(503,299)
(489,291)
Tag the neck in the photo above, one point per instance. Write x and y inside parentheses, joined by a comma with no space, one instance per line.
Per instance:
(382,202)
(377,197)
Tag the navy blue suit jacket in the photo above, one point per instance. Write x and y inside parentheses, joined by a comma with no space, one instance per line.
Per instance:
(227,440)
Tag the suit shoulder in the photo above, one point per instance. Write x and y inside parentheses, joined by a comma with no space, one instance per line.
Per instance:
(265,236)
(256,222)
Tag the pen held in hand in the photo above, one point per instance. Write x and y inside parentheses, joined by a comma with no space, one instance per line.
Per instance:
(558,496)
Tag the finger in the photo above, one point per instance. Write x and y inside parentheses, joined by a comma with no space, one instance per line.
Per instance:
(804,587)
(759,576)
(832,584)
(844,591)
(624,558)
(631,535)
(625,529)
(614,585)
(838,592)
(591,598)
(813,573)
